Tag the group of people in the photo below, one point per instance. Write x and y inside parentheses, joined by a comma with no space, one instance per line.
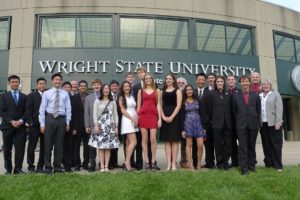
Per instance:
(216,114)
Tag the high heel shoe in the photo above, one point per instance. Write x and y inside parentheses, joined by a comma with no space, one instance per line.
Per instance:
(126,168)
(106,169)
(174,167)
(168,168)
(102,170)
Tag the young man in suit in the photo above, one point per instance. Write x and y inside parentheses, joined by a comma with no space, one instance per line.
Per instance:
(12,111)
(202,93)
(90,153)
(231,82)
(33,103)
(54,117)
(78,137)
(246,107)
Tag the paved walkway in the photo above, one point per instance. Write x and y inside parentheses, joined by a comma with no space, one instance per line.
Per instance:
(291,156)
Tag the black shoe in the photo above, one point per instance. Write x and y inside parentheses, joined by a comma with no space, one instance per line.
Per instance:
(68,170)
(233,165)
(110,167)
(55,171)
(77,168)
(252,169)
(117,166)
(92,169)
(244,172)
(86,167)
(48,171)
(19,172)
(31,170)
(7,173)
(208,166)
(39,170)
(226,166)
(154,166)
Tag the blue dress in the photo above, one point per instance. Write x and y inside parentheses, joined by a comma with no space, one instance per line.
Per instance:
(192,122)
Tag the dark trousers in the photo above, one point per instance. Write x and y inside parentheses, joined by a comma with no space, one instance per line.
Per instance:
(16,137)
(113,157)
(234,149)
(92,156)
(54,137)
(86,149)
(273,146)
(68,150)
(76,148)
(222,144)
(34,136)
(138,151)
(247,153)
(209,148)
(182,150)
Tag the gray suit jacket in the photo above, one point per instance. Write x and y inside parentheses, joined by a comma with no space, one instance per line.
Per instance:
(88,111)
(274,109)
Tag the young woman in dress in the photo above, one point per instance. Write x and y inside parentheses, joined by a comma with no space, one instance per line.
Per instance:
(149,110)
(105,136)
(129,122)
(170,131)
(192,126)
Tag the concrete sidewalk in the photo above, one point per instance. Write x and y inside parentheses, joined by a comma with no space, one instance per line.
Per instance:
(291,156)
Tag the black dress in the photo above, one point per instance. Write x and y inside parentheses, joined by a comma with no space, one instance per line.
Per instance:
(170,132)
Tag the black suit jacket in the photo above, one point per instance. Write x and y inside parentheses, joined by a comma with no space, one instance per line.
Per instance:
(77,112)
(136,87)
(203,103)
(246,115)
(33,103)
(10,111)
(219,109)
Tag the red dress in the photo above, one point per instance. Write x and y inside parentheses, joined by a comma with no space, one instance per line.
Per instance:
(148,115)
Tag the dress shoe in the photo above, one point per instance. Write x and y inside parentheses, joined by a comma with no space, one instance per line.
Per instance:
(110,167)
(77,168)
(31,170)
(252,169)
(48,171)
(55,171)
(117,166)
(19,172)
(92,169)
(39,170)
(68,170)
(233,165)
(7,173)
(85,167)
(208,166)
(244,172)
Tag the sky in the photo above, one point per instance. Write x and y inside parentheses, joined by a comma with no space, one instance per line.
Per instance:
(292,4)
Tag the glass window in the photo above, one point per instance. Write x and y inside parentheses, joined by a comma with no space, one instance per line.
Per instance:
(238,40)
(211,37)
(297,43)
(4,34)
(171,34)
(93,32)
(58,32)
(284,48)
(137,33)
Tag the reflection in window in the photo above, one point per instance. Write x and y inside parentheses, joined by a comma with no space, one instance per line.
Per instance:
(211,37)
(4,30)
(76,32)
(137,33)
(297,44)
(171,34)
(284,48)
(93,32)
(238,40)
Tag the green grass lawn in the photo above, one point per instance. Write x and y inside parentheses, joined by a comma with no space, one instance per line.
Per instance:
(183,184)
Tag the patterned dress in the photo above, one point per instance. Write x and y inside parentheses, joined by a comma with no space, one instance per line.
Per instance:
(192,122)
(106,117)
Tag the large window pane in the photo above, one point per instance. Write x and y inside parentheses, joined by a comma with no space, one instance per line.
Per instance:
(4,30)
(210,37)
(284,48)
(238,40)
(171,34)
(58,32)
(297,42)
(93,32)
(137,33)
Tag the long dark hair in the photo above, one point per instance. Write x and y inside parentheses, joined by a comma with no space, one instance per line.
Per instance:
(122,94)
(223,78)
(101,93)
(174,79)
(184,93)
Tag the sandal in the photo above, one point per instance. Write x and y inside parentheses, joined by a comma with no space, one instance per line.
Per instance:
(154,166)
(106,169)
(147,166)
(102,170)
(174,167)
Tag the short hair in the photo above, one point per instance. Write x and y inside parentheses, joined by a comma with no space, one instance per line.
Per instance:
(141,69)
(55,75)
(114,82)
(97,81)
(83,81)
(40,79)
(231,75)
(66,83)
(201,74)
(211,74)
(13,77)
(244,77)
(129,73)
(266,81)
(183,79)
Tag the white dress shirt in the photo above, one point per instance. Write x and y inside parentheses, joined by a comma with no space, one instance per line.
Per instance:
(48,101)
(263,106)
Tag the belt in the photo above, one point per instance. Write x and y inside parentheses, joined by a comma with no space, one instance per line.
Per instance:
(58,117)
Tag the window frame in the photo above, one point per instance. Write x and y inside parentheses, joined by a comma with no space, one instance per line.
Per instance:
(8,19)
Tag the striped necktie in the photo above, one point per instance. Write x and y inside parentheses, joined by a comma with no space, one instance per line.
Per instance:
(56,104)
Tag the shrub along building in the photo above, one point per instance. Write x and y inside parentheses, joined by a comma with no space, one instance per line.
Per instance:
(87,39)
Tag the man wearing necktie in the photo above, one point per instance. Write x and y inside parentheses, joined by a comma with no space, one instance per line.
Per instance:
(54,118)
(246,108)
(33,103)
(12,111)
(90,153)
